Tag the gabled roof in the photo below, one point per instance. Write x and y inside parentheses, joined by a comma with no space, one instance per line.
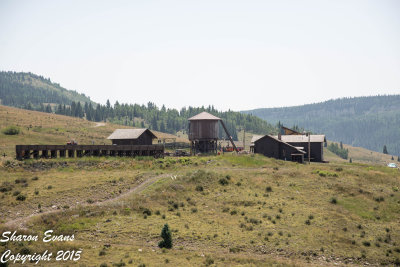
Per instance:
(256,137)
(290,131)
(204,116)
(314,138)
(280,141)
(129,134)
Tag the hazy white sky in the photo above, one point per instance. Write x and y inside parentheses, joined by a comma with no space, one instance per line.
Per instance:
(230,54)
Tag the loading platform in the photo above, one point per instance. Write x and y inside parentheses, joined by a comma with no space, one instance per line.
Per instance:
(72,151)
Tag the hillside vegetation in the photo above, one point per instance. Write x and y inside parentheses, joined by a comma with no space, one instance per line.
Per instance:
(228,210)
(33,92)
(30,91)
(369,122)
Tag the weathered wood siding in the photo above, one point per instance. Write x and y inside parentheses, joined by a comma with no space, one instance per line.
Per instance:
(317,150)
(144,139)
(272,148)
(203,129)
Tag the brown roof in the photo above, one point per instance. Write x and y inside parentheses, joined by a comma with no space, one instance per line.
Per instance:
(314,138)
(128,134)
(204,116)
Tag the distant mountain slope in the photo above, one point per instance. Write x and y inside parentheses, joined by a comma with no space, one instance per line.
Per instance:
(369,122)
(20,89)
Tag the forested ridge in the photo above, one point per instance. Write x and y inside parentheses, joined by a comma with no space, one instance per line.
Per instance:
(370,122)
(27,90)
(30,91)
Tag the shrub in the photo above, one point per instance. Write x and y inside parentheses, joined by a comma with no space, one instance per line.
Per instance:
(21,197)
(268,189)
(308,222)
(209,261)
(166,236)
(16,193)
(35,178)
(333,200)
(199,188)
(5,187)
(102,253)
(366,243)
(223,181)
(11,130)
(146,211)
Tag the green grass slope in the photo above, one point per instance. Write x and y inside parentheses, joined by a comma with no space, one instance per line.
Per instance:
(229,210)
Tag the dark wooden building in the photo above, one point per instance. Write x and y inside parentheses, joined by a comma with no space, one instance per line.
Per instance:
(272,147)
(301,141)
(132,137)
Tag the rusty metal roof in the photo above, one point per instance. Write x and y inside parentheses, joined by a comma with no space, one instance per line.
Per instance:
(128,134)
(314,138)
(204,116)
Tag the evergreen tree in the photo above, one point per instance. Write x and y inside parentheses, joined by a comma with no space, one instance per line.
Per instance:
(59,109)
(392,158)
(398,158)
(48,108)
(341,145)
(385,150)
(351,161)
(166,236)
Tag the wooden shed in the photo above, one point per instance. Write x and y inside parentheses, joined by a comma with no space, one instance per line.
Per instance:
(301,141)
(272,147)
(132,137)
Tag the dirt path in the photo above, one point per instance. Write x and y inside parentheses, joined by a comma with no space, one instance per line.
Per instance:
(99,124)
(20,223)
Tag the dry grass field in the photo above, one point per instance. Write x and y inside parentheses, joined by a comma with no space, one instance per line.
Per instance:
(228,210)
(44,128)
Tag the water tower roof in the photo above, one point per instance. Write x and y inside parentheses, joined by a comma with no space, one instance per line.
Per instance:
(204,116)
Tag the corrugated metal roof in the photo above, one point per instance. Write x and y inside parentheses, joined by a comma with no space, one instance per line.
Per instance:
(314,138)
(256,137)
(128,134)
(204,116)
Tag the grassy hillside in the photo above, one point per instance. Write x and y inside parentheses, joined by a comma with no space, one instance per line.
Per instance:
(19,88)
(369,122)
(45,128)
(230,210)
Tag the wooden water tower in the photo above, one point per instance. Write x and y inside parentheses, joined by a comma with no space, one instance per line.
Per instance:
(203,133)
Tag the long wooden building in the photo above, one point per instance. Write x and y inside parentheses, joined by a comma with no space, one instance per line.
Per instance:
(272,147)
(132,137)
(292,147)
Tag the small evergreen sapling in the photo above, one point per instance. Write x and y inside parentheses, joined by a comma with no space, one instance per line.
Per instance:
(167,238)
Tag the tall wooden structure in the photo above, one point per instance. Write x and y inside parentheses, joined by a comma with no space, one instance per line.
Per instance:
(203,133)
